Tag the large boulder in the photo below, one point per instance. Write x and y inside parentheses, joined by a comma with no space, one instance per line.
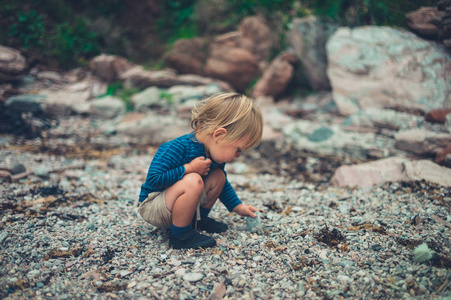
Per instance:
(13,64)
(308,37)
(380,66)
(187,56)
(235,57)
(257,37)
(234,65)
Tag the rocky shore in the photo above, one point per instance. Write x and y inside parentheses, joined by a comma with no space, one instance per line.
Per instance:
(69,229)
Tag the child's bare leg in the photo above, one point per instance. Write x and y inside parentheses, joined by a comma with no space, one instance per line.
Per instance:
(214,184)
(213,187)
(183,197)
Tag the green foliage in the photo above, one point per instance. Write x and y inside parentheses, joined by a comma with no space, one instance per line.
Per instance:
(265,7)
(73,41)
(178,20)
(114,89)
(366,12)
(28,28)
(168,97)
(125,94)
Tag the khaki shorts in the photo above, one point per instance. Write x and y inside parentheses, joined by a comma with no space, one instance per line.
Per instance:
(153,210)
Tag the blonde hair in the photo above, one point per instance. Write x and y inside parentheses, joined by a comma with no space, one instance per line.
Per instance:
(238,114)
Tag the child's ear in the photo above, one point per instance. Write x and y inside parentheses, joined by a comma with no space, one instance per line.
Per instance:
(219,134)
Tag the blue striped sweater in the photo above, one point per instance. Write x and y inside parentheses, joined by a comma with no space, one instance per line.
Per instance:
(167,168)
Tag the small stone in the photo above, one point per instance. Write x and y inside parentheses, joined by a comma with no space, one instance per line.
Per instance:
(180,272)
(422,253)
(33,273)
(193,277)
(3,236)
(131,285)
(252,224)
(19,168)
(376,247)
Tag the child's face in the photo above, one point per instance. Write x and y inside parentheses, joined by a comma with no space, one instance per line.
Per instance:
(224,152)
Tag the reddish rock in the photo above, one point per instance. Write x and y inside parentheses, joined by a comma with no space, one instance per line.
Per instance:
(187,56)
(440,158)
(257,37)
(419,21)
(437,115)
(236,66)
(276,77)
(109,67)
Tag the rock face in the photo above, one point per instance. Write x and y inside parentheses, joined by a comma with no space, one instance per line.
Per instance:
(308,38)
(375,67)
(12,64)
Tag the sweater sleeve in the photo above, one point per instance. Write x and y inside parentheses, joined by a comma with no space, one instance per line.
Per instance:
(228,195)
(167,167)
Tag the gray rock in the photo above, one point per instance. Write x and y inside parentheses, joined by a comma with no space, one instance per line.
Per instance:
(193,277)
(368,67)
(26,103)
(107,107)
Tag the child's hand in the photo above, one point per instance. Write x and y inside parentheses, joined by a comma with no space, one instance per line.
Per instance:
(245,210)
(199,165)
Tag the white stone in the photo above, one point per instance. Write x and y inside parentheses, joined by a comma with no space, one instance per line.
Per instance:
(193,277)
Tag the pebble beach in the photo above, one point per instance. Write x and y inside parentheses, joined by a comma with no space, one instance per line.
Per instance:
(70,230)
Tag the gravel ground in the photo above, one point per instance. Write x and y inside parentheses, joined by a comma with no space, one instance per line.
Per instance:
(71,231)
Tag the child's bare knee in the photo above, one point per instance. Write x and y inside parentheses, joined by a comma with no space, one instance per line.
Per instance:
(194,181)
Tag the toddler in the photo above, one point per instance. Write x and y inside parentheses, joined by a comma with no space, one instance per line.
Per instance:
(187,175)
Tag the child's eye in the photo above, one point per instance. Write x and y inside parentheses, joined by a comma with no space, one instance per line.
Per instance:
(239,151)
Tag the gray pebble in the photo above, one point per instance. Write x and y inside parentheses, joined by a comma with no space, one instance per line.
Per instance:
(193,277)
